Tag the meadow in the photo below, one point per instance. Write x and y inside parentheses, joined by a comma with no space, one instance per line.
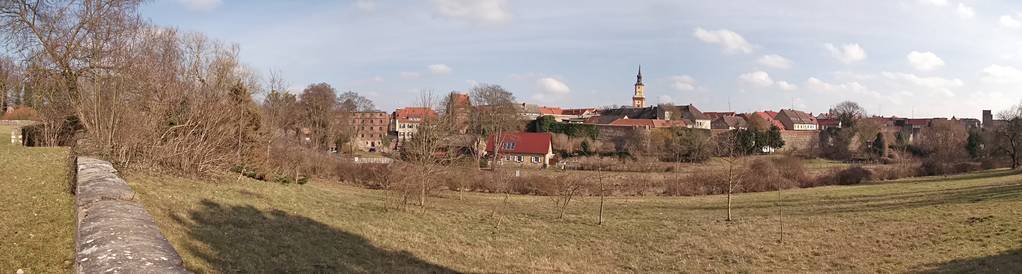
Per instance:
(37,216)
(959,223)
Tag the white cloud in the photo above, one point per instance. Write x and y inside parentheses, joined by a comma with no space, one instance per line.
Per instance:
(664,99)
(930,84)
(1008,21)
(848,53)
(201,5)
(408,75)
(472,83)
(439,69)
(964,11)
(366,5)
(848,88)
(478,11)
(377,79)
(731,41)
(998,74)
(682,82)
(785,86)
(924,61)
(939,3)
(550,91)
(774,61)
(758,78)
(552,86)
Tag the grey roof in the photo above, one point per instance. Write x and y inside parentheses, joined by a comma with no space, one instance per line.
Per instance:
(729,122)
(798,117)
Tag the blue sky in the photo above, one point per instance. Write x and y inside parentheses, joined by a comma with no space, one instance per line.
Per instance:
(898,57)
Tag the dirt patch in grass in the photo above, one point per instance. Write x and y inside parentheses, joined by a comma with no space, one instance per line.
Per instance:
(912,225)
(37,216)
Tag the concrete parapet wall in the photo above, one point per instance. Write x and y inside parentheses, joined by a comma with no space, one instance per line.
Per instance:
(114,232)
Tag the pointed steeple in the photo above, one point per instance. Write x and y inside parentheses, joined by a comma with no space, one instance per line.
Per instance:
(638,77)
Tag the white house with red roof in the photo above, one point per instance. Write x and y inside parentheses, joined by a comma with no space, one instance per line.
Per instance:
(528,149)
(405,122)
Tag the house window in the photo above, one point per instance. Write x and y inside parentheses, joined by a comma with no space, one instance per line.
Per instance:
(535,159)
(509,146)
(519,158)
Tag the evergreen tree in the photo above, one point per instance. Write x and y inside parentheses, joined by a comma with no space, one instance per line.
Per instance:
(974,145)
(880,145)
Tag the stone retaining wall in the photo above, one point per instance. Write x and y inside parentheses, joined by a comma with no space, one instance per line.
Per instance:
(114,232)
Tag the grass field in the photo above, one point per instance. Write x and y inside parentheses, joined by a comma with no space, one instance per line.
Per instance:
(967,223)
(37,216)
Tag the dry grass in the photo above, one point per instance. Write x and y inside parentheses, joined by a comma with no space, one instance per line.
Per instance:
(37,216)
(960,223)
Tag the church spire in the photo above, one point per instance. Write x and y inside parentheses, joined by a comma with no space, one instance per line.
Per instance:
(639,99)
(638,77)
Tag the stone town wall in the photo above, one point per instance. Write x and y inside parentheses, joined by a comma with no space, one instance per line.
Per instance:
(799,139)
(114,232)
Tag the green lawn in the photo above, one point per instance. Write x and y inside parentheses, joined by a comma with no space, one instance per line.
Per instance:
(970,223)
(37,216)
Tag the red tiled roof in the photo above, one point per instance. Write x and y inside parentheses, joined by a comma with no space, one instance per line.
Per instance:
(550,111)
(769,117)
(414,114)
(522,142)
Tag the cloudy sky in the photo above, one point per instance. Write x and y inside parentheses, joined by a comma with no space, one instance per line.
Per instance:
(895,57)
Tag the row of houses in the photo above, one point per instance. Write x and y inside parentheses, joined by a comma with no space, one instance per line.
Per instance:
(382,131)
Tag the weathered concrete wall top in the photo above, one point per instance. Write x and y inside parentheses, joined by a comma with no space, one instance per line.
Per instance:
(115,234)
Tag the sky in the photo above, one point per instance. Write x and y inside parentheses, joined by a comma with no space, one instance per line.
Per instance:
(909,58)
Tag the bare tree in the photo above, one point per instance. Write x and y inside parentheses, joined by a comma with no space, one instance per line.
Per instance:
(603,194)
(1008,135)
(730,148)
(569,187)
(430,149)
(495,114)
(848,113)
(72,42)
(352,101)
(319,108)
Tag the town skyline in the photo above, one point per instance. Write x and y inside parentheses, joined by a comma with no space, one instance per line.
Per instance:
(910,58)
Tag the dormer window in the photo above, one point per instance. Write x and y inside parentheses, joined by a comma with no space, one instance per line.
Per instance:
(509,146)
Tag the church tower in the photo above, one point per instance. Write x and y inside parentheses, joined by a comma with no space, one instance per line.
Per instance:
(639,99)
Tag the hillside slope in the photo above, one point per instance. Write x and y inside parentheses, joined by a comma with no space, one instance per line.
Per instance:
(971,222)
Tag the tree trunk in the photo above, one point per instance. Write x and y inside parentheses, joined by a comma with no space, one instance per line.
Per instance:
(729,204)
(780,215)
(603,193)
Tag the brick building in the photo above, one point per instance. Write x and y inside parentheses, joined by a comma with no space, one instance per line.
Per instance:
(370,130)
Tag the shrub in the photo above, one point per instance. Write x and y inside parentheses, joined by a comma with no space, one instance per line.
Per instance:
(966,167)
(932,167)
(894,172)
(853,175)
(761,175)
(849,176)
(21,113)
(699,183)
(536,185)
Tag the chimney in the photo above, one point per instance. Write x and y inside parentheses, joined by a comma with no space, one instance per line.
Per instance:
(988,118)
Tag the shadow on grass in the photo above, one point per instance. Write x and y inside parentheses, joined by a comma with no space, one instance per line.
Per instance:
(1007,262)
(243,239)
